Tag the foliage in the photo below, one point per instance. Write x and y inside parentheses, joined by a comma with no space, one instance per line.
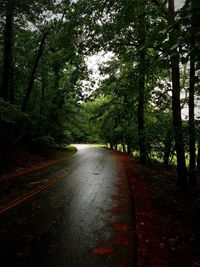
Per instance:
(53,81)
(135,106)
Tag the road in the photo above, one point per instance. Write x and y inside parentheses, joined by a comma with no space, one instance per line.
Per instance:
(78,213)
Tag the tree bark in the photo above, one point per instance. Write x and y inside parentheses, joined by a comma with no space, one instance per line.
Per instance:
(7,92)
(167,149)
(195,12)
(141,88)
(192,150)
(115,145)
(123,146)
(141,130)
(111,144)
(42,99)
(176,107)
(198,154)
(32,77)
(129,150)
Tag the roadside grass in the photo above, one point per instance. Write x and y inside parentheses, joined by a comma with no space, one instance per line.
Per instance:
(63,151)
(97,145)
(154,157)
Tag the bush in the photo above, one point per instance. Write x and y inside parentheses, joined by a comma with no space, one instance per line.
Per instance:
(10,116)
(41,144)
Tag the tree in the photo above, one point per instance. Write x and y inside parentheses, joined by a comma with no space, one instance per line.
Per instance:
(176,107)
(32,77)
(7,92)
(194,15)
(141,84)
(47,81)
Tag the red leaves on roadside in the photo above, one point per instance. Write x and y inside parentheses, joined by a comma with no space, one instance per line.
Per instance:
(103,251)
(117,197)
(122,227)
(117,210)
(123,241)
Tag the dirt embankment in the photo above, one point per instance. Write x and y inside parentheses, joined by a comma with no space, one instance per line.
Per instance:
(20,161)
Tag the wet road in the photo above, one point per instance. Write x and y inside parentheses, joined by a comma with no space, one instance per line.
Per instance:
(81,215)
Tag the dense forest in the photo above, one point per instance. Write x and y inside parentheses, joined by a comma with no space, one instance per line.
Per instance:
(48,100)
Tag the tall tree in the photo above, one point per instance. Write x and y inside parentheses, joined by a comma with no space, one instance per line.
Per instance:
(194,18)
(176,107)
(141,84)
(192,149)
(7,77)
(33,72)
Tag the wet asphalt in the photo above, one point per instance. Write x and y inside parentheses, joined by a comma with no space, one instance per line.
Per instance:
(84,218)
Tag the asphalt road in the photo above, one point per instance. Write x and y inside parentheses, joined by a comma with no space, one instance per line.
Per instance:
(78,213)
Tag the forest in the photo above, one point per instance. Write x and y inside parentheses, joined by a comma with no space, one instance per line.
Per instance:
(49,98)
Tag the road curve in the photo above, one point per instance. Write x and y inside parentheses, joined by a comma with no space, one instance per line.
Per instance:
(84,219)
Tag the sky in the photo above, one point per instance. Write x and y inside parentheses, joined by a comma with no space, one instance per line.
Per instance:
(179,3)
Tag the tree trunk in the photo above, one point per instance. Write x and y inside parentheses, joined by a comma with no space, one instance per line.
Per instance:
(115,146)
(167,149)
(198,154)
(129,148)
(176,107)
(141,88)
(123,146)
(42,99)
(32,77)
(141,133)
(43,87)
(192,150)
(7,77)
(111,145)
(192,138)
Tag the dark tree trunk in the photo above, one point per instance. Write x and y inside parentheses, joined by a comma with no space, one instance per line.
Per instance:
(111,145)
(141,88)
(141,133)
(192,150)
(192,138)
(115,146)
(177,122)
(43,87)
(32,77)
(129,148)
(7,92)
(176,107)
(42,99)
(167,149)
(123,146)
(11,89)
(198,154)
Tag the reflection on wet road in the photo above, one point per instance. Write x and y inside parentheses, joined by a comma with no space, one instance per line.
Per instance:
(84,219)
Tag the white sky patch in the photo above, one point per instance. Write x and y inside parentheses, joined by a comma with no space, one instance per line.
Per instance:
(185,110)
(96,60)
(93,62)
(179,4)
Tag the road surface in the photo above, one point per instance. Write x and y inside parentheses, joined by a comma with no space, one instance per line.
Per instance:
(78,213)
